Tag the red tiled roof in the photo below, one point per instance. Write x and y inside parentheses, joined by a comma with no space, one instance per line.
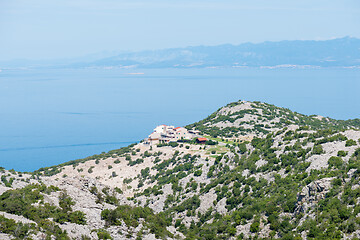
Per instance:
(202,139)
(177,128)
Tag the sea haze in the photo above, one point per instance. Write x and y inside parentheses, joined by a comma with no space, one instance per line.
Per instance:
(52,116)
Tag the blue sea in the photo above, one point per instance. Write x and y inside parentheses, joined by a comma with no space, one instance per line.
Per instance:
(50,116)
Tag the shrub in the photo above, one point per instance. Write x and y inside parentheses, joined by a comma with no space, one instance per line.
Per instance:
(118,190)
(171,144)
(189,204)
(194,186)
(127,180)
(19,230)
(336,162)
(90,170)
(198,173)
(254,227)
(145,172)
(65,202)
(137,161)
(103,234)
(318,149)
(210,142)
(6,182)
(350,143)
(336,182)
(231,231)
(342,153)
(77,217)
(211,171)
(156,223)
(242,148)
(357,153)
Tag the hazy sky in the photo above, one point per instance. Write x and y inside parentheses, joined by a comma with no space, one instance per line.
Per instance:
(39,29)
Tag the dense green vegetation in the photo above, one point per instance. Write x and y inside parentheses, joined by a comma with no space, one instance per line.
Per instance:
(18,230)
(22,202)
(132,217)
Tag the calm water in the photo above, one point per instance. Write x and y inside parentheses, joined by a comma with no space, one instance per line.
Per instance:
(52,116)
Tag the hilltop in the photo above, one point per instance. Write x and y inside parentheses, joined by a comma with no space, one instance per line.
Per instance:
(267,173)
(258,119)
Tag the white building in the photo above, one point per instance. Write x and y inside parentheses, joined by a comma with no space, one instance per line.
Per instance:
(164,133)
(182,133)
(154,137)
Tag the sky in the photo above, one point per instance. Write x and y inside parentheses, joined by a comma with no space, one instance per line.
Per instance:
(49,29)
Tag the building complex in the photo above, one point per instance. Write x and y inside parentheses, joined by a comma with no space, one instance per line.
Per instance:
(164,134)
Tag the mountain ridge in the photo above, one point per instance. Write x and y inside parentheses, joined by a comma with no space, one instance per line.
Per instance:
(343,52)
(339,52)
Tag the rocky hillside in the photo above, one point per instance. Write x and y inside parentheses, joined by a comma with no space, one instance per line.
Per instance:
(259,119)
(268,173)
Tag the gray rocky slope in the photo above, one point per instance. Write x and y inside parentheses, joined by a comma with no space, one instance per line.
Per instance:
(267,173)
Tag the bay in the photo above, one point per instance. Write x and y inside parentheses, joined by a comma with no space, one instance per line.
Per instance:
(50,116)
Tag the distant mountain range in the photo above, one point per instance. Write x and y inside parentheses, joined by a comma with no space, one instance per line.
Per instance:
(341,52)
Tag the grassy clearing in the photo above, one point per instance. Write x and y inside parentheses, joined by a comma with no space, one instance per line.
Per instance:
(217,149)
(221,140)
